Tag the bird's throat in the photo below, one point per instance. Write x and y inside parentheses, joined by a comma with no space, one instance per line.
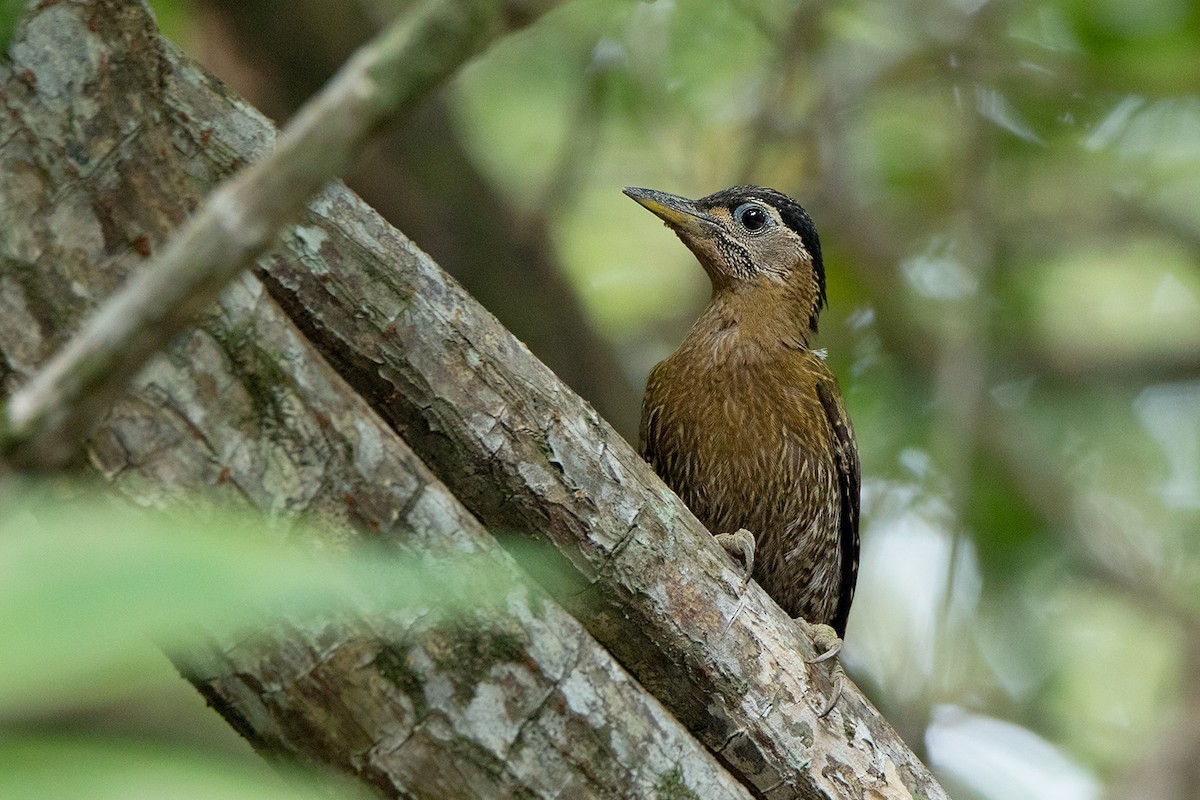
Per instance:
(751,324)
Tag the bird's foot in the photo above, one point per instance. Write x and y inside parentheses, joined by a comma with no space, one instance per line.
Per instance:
(740,546)
(828,644)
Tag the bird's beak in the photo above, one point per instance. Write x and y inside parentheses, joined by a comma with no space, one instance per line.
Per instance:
(678,212)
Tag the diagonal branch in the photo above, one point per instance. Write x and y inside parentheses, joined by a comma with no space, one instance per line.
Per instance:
(45,421)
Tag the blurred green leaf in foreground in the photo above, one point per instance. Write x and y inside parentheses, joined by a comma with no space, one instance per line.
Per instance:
(89,592)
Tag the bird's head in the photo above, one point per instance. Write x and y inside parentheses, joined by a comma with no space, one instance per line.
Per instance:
(748,238)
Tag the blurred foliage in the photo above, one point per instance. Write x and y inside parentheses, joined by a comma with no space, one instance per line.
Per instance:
(10,12)
(110,769)
(173,18)
(1008,194)
(92,593)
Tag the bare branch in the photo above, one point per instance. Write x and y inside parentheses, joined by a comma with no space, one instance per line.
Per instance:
(47,419)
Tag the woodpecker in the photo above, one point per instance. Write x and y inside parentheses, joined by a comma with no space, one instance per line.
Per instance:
(745,421)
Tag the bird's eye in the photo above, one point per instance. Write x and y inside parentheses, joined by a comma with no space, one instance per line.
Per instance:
(752,216)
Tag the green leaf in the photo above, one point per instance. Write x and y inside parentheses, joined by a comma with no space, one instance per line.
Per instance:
(84,587)
(10,12)
(70,768)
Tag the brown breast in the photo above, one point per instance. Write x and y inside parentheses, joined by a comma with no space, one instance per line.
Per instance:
(743,439)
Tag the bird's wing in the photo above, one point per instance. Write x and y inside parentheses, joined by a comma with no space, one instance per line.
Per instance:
(849,482)
(645,433)
(651,409)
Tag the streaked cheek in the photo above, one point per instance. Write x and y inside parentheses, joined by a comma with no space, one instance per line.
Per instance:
(778,254)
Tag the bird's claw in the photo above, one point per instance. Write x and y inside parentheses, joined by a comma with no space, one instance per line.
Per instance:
(828,644)
(740,546)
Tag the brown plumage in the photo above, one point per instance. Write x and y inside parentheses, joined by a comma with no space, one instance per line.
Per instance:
(746,423)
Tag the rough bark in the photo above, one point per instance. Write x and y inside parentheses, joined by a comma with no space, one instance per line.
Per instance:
(514,444)
(515,701)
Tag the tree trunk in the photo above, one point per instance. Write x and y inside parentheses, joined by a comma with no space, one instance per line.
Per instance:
(242,403)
